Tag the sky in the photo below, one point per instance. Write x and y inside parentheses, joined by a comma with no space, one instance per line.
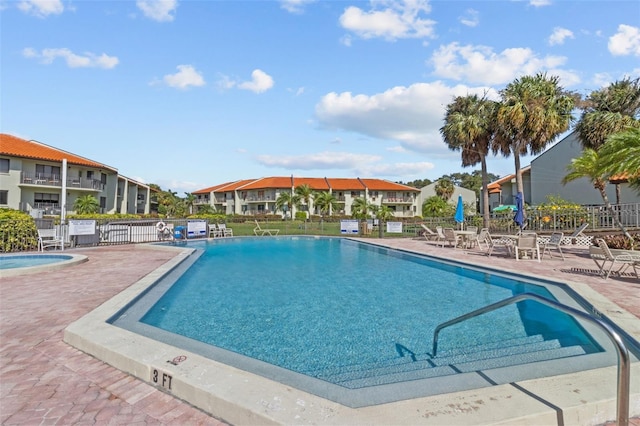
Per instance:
(190,94)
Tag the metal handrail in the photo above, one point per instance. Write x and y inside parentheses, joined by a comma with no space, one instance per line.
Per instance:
(624,369)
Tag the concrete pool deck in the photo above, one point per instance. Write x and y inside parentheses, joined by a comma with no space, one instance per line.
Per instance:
(44,380)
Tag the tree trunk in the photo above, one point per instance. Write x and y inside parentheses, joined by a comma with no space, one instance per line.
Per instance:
(619,224)
(486,217)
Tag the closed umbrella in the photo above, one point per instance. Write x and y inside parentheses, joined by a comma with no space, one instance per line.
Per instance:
(459,217)
(518,218)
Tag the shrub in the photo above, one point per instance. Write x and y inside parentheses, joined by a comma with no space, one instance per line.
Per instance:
(17,231)
(621,242)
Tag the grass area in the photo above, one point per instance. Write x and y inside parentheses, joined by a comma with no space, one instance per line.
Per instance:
(309,228)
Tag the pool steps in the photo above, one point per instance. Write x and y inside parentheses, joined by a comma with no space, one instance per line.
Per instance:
(482,357)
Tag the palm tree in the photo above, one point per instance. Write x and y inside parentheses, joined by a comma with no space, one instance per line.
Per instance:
(360,208)
(87,204)
(533,111)
(444,188)
(436,207)
(305,194)
(383,214)
(620,155)
(607,111)
(468,127)
(288,200)
(588,166)
(326,202)
(189,202)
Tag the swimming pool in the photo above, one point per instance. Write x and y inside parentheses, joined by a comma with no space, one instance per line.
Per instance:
(18,264)
(271,307)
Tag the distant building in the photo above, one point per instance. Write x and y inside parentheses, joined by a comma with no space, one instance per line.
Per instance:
(258,196)
(543,177)
(33,177)
(469,197)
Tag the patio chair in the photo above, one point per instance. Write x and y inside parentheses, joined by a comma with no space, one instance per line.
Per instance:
(578,236)
(623,260)
(525,244)
(554,243)
(450,237)
(49,238)
(259,231)
(429,235)
(473,239)
(441,238)
(482,238)
(226,232)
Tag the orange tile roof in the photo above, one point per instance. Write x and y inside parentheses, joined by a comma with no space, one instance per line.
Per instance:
(385,185)
(269,182)
(317,184)
(494,186)
(345,184)
(17,147)
(224,187)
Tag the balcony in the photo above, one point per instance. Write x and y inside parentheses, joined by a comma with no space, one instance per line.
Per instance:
(397,200)
(39,179)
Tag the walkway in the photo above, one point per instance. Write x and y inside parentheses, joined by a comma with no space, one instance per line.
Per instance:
(45,381)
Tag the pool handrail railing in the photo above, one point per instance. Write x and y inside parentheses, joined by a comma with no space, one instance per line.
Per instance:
(624,368)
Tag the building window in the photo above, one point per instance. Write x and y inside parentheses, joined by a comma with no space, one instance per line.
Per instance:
(90,174)
(4,165)
(103,178)
(45,199)
(4,197)
(46,171)
(103,202)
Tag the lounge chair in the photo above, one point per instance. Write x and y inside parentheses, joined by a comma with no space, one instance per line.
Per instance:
(226,232)
(49,238)
(482,238)
(493,243)
(578,233)
(441,238)
(554,243)
(429,235)
(214,232)
(527,243)
(259,231)
(604,256)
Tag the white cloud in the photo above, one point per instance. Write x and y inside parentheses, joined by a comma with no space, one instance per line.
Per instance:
(481,65)
(41,8)
(260,82)
(186,77)
(390,20)
(540,3)
(559,35)
(295,6)
(158,10)
(471,18)
(87,60)
(410,115)
(626,41)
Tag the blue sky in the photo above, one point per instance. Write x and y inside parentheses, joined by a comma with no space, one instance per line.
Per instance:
(189,94)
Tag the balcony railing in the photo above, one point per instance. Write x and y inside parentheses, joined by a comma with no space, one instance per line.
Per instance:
(397,200)
(40,179)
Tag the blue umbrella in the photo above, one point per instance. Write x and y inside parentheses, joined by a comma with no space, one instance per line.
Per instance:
(459,217)
(519,216)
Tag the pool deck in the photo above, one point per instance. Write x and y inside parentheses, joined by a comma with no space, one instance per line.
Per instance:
(43,380)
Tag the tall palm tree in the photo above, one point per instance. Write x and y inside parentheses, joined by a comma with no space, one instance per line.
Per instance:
(383,214)
(620,155)
(326,202)
(288,200)
(436,207)
(444,188)
(189,202)
(468,127)
(305,194)
(532,112)
(588,166)
(607,111)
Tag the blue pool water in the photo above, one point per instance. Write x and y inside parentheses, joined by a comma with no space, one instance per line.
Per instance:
(29,260)
(326,307)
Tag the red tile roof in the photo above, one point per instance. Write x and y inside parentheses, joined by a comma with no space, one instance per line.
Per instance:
(496,185)
(17,147)
(385,185)
(268,182)
(345,184)
(317,184)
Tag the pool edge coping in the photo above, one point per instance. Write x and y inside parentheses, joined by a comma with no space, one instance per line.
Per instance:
(14,272)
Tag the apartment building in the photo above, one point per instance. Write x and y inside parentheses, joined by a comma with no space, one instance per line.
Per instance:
(41,179)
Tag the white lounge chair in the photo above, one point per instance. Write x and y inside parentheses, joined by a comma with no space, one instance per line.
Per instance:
(450,237)
(49,238)
(214,232)
(498,242)
(429,235)
(623,260)
(259,231)
(226,232)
